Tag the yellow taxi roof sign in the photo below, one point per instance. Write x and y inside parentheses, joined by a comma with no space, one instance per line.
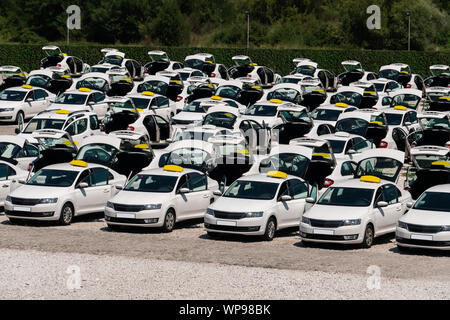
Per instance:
(400,108)
(173,168)
(68,143)
(148,93)
(256,87)
(243,151)
(444,98)
(216,98)
(322,154)
(277,174)
(79,163)
(372,179)
(440,163)
(319,90)
(377,122)
(84,90)
(27,86)
(370,92)
(275,100)
(341,104)
(62,111)
(141,146)
(65,76)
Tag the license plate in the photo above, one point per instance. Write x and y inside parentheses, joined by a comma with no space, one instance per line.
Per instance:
(226,223)
(126,215)
(323,231)
(421,237)
(26,209)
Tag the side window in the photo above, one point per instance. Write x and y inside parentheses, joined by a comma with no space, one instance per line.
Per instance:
(28,151)
(386,101)
(129,66)
(94,122)
(348,168)
(298,189)
(313,192)
(183,182)
(283,190)
(160,121)
(30,95)
(197,182)
(244,126)
(413,117)
(99,177)
(323,129)
(40,95)
(84,177)
(390,194)
(99,97)
(255,125)
(78,127)
(163,103)
(3,172)
(362,146)
(11,172)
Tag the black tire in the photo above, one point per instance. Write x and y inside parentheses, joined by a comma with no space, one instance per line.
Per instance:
(66,216)
(16,221)
(169,221)
(402,248)
(271,227)
(213,235)
(369,236)
(20,115)
(113,227)
(306,244)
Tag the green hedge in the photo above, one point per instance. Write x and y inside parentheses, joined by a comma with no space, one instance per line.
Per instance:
(28,56)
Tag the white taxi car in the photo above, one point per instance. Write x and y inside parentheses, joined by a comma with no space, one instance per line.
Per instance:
(82,99)
(160,198)
(259,204)
(61,191)
(153,103)
(355,212)
(427,223)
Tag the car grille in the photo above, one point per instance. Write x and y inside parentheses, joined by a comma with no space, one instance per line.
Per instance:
(326,223)
(230,228)
(29,214)
(128,208)
(322,237)
(425,243)
(25,202)
(424,229)
(229,215)
(126,220)
(182,121)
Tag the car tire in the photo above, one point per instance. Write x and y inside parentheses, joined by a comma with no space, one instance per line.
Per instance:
(306,244)
(113,227)
(20,117)
(369,236)
(402,248)
(169,221)
(16,221)
(271,227)
(213,235)
(66,216)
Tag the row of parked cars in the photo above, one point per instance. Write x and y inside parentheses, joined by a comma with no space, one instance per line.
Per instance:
(249,151)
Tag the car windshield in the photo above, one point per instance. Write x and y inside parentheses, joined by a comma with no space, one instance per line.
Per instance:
(290,163)
(151,183)
(348,97)
(141,103)
(294,116)
(289,80)
(220,119)
(194,64)
(114,78)
(188,157)
(262,110)
(92,83)
(229,149)
(384,168)
(8,150)
(407,100)
(53,178)
(194,106)
(97,153)
(12,95)
(306,70)
(113,59)
(379,86)
(284,94)
(311,88)
(71,98)
(325,114)
(156,86)
(436,96)
(231,92)
(352,125)
(129,144)
(256,190)
(424,161)
(337,145)
(36,124)
(389,74)
(433,201)
(347,197)
(38,80)
(194,135)
(429,123)
(394,119)
(185,75)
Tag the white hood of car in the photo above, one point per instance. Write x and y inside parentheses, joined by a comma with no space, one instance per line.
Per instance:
(189,116)
(427,218)
(141,198)
(39,192)
(324,212)
(10,104)
(240,205)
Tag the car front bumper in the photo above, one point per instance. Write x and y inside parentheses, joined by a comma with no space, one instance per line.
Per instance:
(246,226)
(44,212)
(346,234)
(438,241)
(145,218)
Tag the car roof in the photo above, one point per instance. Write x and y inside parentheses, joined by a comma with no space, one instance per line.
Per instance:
(195,144)
(298,149)
(432,114)
(262,177)
(126,134)
(161,171)
(13,139)
(408,91)
(364,114)
(52,113)
(340,135)
(351,89)
(440,188)
(357,183)
(68,166)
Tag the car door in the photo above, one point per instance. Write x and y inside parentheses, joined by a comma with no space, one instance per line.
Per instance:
(299,191)
(164,128)
(163,108)
(26,155)
(191,204)
(6,175)
(40,101)
(78,129)
(384,216)
(98,192)
(99,107)
(399,137)
(391,196)
(249,134)
(262,135)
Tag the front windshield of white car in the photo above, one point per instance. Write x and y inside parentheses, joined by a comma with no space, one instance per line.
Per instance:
(290,163)
(229,149)
(228,91)
(141,103)
(284,94)
(347,197)
(311,88)
(337,145)
(53,178)
(394,119)
(306,70)
(348,97)
(325,114)
(262,110)
(98,69)
(256,190)
(352,125)
(12,95)
(37,124)
(433,201)
(92,83)
(97,153)
(113,59)
(220,119)
(379,86)
(194,135)
(384,168)
(71,98)
(152,183)
(436,96)
(121,106)
(294,116)
(190,157)
(155,86)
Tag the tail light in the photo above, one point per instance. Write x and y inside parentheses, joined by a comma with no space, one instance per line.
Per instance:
(328,183)
(448,145)
(59,65)
(131,128)
(249,75)
(408,86)
(213,75)
(30,166)
(179,98)
(383,144)
(101,127)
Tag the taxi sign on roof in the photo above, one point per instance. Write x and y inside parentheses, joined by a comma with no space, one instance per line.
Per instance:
(440,163)
(78,163)
(216,98)
(275,101)
(444,98)
(377,122)
(341,104)
(148,93)
(173,168)
(322,155)
(84,90)
(141,146)
(277,174)
(62,111)
(27,86)
(400,108)
(372,179)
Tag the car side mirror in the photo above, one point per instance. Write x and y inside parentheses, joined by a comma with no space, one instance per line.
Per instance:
(118,187)
(410,204)
(16,130)
(310,200)
(22,182)
(170,140)
(382,204)
(286,198)
(183,191)
(351,151)
(82,185)
(408,123)
(217,193)
(29,100)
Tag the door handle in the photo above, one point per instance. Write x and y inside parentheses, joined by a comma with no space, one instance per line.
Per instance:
(106,190)
(206,196)
(5,186)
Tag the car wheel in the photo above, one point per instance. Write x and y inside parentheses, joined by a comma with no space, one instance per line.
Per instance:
(16,221)
(113,227)
(66,215)
(271,227)
(169,221)
(213,235)
(402,248)
(20,118)
(368,237)
(306,243)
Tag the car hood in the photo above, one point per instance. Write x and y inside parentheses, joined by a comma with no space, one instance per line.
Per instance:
(39,192)
(10,104)
(137,198)
(240,205)
(427,218)
(192,116)
(322,212)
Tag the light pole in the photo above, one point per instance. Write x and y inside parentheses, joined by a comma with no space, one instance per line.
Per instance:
(248,28)
(409,30)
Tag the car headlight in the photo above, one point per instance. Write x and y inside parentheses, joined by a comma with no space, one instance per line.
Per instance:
(48,200)
(8,198)
(6,109)
(152,206)
(445,228)
(351,222)
(210,211)
(402,225)
(254,214)
(109,204)
(306,220)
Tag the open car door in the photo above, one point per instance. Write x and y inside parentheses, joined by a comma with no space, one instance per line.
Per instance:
(249,95)
(159,61)
(376,131)
(314,99)
(419,180)
(54,56)
(119,119)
